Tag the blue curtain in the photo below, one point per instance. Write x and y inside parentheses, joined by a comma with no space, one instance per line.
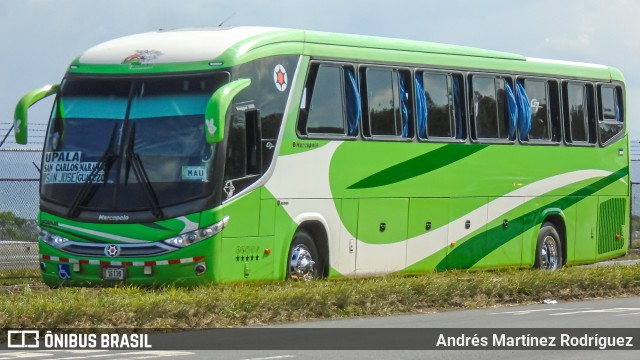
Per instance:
(353,102)
(421,107)
(458,104)
(404,98)
(512,108)
(524,112)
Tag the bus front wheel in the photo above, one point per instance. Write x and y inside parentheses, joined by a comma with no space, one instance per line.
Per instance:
(548,248)
(303,261)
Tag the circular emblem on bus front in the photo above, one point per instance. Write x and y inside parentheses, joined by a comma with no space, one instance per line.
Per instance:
(280,77)
(112,250)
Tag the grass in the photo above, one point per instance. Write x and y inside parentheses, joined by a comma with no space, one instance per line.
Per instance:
(34,306)
(18,275)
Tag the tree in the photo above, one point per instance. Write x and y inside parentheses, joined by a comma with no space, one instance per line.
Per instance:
(16,228)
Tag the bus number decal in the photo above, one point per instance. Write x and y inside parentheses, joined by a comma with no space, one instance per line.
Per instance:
(194,173)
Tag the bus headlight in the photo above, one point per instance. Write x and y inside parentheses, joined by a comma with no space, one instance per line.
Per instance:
(52,239)
(195,236)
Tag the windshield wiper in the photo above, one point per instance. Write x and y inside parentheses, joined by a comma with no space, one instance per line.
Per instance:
(105,163)
(133,160)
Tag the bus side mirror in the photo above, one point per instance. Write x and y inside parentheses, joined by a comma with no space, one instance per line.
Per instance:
(217,107)
(20,116)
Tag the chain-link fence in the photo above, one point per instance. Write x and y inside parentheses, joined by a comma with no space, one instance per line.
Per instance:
(634,174)
(635,202)
(19,181)
(635,212)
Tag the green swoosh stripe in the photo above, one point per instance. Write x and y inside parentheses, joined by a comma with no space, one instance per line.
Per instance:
(156,226)
(418,165)
(476,248)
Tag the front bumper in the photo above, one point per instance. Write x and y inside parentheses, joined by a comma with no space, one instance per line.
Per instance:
(192,265)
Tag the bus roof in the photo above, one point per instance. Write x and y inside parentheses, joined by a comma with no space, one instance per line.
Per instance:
(186,45)
(173,46)
(233,45)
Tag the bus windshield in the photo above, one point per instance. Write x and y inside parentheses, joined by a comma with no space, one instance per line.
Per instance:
(129,144)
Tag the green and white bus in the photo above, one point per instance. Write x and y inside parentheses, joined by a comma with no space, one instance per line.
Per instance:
(245,153)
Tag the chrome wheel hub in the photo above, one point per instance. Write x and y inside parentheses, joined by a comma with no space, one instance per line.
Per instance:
(301,264)
(549,259)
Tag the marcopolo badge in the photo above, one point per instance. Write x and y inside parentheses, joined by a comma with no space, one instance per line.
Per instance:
(112,250)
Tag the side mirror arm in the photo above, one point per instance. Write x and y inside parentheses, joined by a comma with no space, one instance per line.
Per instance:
(22,109)
(216,111)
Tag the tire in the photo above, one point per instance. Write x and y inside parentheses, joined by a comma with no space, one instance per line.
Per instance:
(303,262)
(548,248)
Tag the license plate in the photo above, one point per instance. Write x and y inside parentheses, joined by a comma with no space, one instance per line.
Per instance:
(114,273)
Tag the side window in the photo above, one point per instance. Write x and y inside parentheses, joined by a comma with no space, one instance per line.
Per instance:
(555,111)
(577,107)
(494,109)
(331,102)
(243,157)
(578,111)
(438,90)
(326,106)
(607,103)
(610,114)
(387,103)
(440,105)
(269,92)
(537,93)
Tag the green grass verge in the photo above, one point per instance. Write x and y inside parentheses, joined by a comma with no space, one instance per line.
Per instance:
(34,306)
(17,275)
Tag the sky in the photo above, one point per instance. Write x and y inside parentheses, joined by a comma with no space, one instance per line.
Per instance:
(39,38)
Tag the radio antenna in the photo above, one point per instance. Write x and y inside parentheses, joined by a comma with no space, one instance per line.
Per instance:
(227,19)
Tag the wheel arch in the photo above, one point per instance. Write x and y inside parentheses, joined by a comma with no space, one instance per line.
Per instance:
(316,226)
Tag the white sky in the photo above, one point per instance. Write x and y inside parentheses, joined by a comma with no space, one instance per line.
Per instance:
(39,38)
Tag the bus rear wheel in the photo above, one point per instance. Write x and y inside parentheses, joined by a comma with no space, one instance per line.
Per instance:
(548,248)
(303,261)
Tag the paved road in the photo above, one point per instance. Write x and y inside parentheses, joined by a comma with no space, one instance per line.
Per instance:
(606,313)
(601,314)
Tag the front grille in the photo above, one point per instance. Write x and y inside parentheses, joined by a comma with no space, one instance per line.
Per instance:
(126,250)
